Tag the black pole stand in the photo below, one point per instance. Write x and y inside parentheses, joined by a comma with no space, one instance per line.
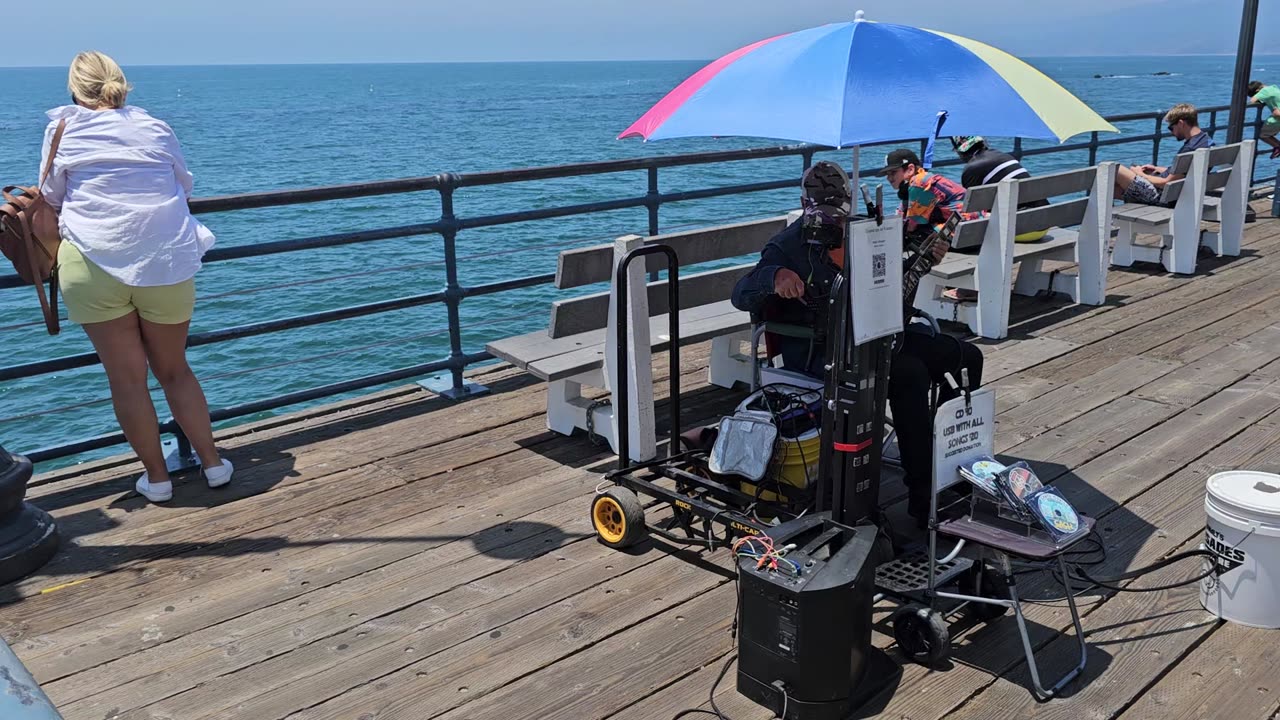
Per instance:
(28,535)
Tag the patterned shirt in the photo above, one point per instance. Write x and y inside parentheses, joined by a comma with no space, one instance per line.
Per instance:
(931,198)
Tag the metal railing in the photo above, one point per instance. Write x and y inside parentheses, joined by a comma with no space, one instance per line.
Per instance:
(449,224)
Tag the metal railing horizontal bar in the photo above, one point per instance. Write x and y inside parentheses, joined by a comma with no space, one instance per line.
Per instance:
(449,224)
(294,398)
(457,180)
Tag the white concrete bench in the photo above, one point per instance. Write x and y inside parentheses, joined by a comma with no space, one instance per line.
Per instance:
(578,347)
(990,272)
(1184,204)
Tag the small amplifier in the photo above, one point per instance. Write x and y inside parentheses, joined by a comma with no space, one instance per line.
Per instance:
(804,643)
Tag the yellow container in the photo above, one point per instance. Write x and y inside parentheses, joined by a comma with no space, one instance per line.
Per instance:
(795,463)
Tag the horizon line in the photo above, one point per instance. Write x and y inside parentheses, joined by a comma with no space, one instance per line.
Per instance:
(576,61)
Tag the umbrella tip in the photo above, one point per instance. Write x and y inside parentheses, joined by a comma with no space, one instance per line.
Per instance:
(859,16)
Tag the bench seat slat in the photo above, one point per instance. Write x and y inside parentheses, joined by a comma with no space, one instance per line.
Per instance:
(958,265)
(697,325)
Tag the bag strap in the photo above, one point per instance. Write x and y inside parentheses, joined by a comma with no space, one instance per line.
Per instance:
(50,313)
(53,150)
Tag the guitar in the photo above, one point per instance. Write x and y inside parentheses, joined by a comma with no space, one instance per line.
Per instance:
(922,261)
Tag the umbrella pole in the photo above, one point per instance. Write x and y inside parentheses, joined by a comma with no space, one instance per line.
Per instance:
(857,157)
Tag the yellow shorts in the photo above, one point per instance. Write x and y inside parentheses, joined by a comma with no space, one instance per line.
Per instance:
(93,296)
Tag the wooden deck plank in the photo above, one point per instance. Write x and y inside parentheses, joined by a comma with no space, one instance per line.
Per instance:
(1133,639)
(1149,527)
(617,630)
(468,569)
(16,623)
(1066,402)
(1230,675)
(195,608)
(1198,380)
(1127,408)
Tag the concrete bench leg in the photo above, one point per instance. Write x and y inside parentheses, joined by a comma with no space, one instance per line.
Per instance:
(1212,240)
(1122,253)
(567,409)
(729,364)
(1181,258)
(1031,279)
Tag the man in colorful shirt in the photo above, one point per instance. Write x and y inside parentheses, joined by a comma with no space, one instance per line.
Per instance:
(928,199)
(1267,96)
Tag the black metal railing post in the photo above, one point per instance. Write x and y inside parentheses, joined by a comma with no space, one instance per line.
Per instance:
(1275,196)
(454,293)
(653,201)
(1093,148)
(1155,141)
(1017,148)
(181,458)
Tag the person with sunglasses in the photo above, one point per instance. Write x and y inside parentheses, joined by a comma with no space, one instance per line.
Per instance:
(1143,184)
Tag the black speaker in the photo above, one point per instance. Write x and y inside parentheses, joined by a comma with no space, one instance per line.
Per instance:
(804,643)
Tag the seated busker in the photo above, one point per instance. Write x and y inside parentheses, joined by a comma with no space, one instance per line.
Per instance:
(927,201)
(793,280)
(1143,184)
(984,165)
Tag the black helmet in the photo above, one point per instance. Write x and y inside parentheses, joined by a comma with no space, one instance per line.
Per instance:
(826,200)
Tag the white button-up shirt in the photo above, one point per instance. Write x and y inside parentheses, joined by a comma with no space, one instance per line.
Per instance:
(122,186)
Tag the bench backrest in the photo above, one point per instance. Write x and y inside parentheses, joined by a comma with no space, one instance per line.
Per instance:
(1060,213)
(585,266)
(1217,179)
(590,265)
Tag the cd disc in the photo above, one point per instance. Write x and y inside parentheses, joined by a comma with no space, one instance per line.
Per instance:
(1057,512)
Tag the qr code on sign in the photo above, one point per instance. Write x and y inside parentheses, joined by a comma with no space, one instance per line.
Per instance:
(877,266)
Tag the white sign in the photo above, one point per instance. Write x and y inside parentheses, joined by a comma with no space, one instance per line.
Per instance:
(875,268)
(962,432)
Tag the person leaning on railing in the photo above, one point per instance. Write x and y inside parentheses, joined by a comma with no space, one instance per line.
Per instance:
(1268,96)
(128,259)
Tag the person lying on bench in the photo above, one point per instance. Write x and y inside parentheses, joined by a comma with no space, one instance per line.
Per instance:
(1143,184)
(793,279)
(984,165)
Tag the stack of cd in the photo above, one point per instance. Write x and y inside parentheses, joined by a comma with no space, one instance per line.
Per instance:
(1017,487)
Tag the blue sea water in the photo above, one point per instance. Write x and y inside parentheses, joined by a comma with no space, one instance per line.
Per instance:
(252,128)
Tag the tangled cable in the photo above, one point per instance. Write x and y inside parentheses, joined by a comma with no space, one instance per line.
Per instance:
(766,555)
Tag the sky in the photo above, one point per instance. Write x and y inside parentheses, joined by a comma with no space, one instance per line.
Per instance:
(165,32)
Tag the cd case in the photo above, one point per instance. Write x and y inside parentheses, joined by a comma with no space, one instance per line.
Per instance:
(1054,513)
(981,473)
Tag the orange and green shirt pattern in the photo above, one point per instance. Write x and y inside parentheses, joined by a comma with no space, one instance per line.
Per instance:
(931,198)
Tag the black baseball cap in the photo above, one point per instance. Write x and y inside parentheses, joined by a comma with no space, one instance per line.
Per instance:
(899,158)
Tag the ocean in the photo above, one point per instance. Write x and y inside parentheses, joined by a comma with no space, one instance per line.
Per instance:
(253,128)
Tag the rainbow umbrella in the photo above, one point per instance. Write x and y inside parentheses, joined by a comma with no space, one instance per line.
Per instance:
(861,82)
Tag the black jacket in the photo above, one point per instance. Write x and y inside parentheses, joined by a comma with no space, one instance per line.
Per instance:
(754,294)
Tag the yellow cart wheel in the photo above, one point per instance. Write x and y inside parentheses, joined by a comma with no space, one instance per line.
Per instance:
(618,518)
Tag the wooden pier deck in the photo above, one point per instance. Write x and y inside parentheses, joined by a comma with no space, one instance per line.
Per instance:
(402,557)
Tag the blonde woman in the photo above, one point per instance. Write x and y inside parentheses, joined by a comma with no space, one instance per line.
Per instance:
(127,262)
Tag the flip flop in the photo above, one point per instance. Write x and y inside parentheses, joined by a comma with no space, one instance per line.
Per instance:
(960,295)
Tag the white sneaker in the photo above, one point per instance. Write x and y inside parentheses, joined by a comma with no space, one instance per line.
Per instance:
(219,476)
(155,492)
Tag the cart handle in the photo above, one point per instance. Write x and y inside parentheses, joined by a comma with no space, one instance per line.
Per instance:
(673,351)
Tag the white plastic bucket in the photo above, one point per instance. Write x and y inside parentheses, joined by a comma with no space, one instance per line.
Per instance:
(1243,531)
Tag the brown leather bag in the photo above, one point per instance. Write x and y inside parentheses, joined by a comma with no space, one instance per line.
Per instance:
(29,236)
